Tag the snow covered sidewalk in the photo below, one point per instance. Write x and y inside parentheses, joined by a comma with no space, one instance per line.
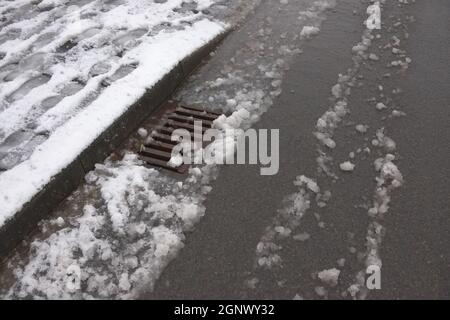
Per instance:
(70,69)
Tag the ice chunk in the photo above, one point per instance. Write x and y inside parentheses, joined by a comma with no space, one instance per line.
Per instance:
(347,166)
(282,231)
(310,183)
(142,132)
(302,236)
(380,106)
(71,88)
(397,113)
(330,276)
(309,31)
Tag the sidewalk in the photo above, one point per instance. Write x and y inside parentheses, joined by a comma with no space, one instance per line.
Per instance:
(74,89)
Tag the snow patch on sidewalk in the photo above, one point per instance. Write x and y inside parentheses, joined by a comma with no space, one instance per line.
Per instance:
(21,183)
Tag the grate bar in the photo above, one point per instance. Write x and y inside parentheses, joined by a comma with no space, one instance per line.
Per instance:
(158,150)
(155,153)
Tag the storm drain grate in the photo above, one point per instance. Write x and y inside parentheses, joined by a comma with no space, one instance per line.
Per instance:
(157,150)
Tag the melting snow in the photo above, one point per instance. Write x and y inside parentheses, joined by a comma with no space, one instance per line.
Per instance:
(330,276)
(347,166)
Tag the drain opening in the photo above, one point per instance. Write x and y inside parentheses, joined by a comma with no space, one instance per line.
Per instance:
(158,150)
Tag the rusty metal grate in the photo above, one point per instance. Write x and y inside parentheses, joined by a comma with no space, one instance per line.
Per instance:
(157,151)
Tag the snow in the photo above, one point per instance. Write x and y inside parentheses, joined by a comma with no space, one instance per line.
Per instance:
(328,122)
(361,128)
(389,179)
(59,221)
(19,184)
(284,232)
(310,183)
(380,106)
(347,166)
(309,31)
(398,113)
(302,236)
(384,141)
(285,223)
(121,241)
(142,132)
(373,57)
(320,291)
(330,276)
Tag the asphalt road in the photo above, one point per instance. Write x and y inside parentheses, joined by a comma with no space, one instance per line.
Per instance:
(219,256)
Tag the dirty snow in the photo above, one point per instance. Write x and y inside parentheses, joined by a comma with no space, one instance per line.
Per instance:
(119,242)
(330,276)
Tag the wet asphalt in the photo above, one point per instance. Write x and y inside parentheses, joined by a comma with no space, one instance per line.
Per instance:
(219,256)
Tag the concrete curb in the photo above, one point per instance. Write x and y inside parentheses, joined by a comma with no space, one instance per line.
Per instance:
(65,182)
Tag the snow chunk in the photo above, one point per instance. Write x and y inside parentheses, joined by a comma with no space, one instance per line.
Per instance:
(330,276)
(380,106)
(320,291)
(142,132)
(373,57)
(361,128)
(347,166)
(310,183)
(374,20)
(309,31)
(176,161)
(302,236)
(284,232)
(21,183)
